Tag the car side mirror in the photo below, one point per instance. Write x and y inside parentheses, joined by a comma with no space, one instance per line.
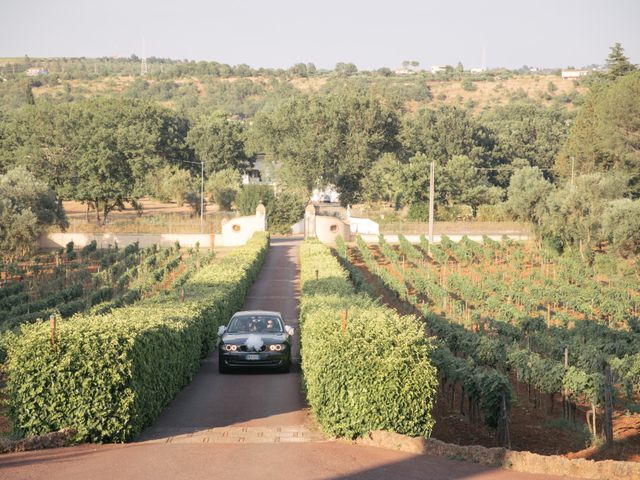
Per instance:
(289,330)
(221,330)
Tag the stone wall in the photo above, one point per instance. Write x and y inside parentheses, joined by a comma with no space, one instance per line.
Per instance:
(501,457)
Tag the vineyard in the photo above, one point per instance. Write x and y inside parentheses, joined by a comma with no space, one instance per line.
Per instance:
(514,326)
(114,370)
(69,281)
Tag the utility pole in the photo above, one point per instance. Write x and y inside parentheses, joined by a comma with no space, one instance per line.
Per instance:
(431,195)
(202,196)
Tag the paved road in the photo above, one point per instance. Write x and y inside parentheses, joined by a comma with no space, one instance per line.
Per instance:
(242,425)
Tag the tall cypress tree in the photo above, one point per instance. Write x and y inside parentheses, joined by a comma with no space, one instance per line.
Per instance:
(29,95)
(617,63)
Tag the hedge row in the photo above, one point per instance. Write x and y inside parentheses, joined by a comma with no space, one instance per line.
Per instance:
(370,372)
(109,376)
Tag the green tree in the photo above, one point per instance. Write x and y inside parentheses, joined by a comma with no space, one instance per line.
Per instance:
(621,224)
(27,206)
(171,183)
(283,211)
(333,139)
(29,98)
(605,134)
(250,196)
(617,63)
(346,69)
(445,132)
(220,143)
(575,212)
(527,195)
(223,186)
(383,181)
(528,132)
(462,183)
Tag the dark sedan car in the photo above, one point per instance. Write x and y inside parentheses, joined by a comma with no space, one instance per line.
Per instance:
(255,338)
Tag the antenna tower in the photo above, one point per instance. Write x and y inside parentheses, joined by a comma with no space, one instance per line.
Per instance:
(484,58)
(143,66)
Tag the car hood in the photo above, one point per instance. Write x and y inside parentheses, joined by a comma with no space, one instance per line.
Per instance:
(267,338)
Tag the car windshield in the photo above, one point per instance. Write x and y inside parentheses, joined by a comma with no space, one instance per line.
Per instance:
(255,324)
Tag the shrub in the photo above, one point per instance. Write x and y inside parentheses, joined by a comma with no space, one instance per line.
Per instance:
(110,375)
(374,374)
(283,211)
(250,196)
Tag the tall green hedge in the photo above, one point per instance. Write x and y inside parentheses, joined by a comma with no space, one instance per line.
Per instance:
(109,376)
(376,373)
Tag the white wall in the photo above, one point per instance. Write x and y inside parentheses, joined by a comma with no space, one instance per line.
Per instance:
(58,240)
(363,226)
(436,238)
(238,231)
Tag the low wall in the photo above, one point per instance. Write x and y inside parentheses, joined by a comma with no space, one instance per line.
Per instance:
(501,457)
(436,238)
(363,226)
(328,228)
(58,240)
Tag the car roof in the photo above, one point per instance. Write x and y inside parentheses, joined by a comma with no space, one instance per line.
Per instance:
(257,312)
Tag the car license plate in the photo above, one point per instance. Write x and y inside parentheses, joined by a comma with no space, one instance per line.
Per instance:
(253,357)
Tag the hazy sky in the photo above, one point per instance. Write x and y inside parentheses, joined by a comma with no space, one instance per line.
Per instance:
(371,34)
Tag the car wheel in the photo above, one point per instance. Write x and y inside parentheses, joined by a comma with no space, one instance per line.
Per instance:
(222,368)
(286,367)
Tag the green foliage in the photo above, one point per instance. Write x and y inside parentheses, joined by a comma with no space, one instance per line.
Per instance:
(468,85)
(618,64)
(223,186)
(27,206)
(527,195)
(171,184)
(110,376)
(323,139)
(374,375)
(283,211)
(604,135)
(250,196)
(219,142)
(97,151)
(621,223)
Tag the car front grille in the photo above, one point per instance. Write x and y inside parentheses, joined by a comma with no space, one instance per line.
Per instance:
(243,348)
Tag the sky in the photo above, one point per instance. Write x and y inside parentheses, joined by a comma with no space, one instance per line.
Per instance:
(371,34)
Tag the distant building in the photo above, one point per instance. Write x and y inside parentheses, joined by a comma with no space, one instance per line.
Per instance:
(260,174)
(405,71)
(572,74)
(438,68)
(34,72)
(477,71)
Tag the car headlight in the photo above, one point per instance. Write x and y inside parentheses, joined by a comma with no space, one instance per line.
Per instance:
(277,347)
(230,348)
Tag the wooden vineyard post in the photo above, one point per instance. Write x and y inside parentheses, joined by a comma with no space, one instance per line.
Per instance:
(317,274)
(52,324)
(607,421)
(548,315)
(503,424)
(182,295)
(344,317)
(565,400)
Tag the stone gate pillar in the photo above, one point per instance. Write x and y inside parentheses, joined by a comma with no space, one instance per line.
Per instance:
(310,221)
